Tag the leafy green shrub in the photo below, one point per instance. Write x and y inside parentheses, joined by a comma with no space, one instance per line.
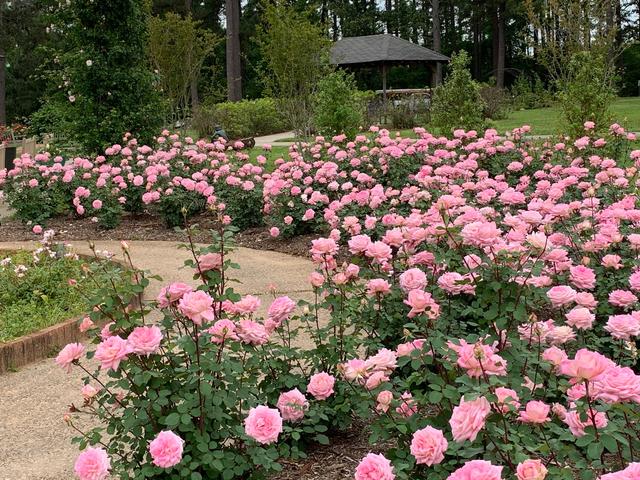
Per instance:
(337,107)
(102,64)
(587,93)
(630,59)
(528,94)
(179,206)
(240,119)
(457,103)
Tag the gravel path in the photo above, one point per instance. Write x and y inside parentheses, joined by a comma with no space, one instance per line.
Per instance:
(34,441)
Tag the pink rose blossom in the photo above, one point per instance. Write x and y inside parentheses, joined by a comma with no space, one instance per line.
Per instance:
(166,449)
(428,446)
(222,331)
(173,293)
(561,295)
(531,470)
(469,418)
(586,365)
(535,412)
(145,340)
(209,261)
(263,424)
(321,385)
(374,467)
(111,352)
(197,306)
(477,470)
(292,405)
(69,354)
(93,464)
(413,279)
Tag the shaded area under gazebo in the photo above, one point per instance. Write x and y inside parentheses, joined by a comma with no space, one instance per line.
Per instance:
(382,51)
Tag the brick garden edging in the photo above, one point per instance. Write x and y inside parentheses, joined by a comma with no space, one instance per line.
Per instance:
(43,343)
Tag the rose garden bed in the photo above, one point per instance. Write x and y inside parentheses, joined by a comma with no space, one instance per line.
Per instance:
(481,297)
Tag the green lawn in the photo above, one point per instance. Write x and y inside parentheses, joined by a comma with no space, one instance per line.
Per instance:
(547,121)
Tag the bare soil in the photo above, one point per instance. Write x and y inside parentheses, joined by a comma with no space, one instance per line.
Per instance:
(148,227)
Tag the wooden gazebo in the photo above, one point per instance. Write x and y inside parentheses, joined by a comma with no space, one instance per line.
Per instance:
(382,51)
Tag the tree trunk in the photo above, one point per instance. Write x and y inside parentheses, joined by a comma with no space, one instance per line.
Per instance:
(494,41)
(388,9)
(501,46)
(234,66)
(476,40)
(3,106)
(195,98)
(437,40)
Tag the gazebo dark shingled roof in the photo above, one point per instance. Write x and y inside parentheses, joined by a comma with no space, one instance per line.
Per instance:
(379,49)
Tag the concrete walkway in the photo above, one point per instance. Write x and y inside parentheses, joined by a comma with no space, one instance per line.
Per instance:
(275,140)
(35,443)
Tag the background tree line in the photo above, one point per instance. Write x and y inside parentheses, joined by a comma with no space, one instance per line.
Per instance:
(504,38)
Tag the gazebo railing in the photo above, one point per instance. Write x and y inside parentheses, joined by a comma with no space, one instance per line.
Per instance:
(403,108)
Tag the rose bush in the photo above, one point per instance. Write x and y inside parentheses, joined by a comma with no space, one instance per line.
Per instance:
(193,384)
(475,301)
(499,319)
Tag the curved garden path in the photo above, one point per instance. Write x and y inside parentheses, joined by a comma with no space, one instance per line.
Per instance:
(35,443)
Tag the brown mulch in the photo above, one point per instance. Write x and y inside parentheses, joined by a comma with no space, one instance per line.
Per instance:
(337,461)
(148,227)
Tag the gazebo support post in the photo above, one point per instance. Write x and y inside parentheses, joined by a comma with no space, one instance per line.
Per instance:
(384,82)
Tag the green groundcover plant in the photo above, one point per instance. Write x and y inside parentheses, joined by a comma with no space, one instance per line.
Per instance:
(34,288)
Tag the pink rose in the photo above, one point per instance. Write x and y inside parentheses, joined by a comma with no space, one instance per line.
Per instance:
(378,286)
(145,340)
(111,352)
(210,261)
(413,279)
(577,426)
(580,317)
(246,305)
(263,424)
(428,446)
(37,229)
(292,405)
(166,449)
(535,412)
(617,384)
(97,204)
(385,360)
(69,354)
(252,332)
(531,470)
(507,399)
(222,331)
(477,470)
(422,302)
(586,365)
(375,380)
(321,385)
(274,231)
(623,327)
(93,464)
(406,349)
(582,277)
(359,244)
(408,406)
(561,295)
(632,472)
(622,298)
(469,418)
(384,399)
(197,306)
(554,355)
(374,467)
(281,309)
(86,324)
(172,293)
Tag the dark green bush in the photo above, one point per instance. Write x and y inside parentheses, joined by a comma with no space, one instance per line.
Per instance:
(458,103)
(337,107)
(179,206)
(587,94)
(240,119)
(529,93)
(496,100)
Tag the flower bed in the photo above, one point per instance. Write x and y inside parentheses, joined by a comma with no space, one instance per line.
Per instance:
(39,300)
(484,322)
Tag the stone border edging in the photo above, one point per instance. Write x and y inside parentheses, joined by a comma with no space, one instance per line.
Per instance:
(43,343)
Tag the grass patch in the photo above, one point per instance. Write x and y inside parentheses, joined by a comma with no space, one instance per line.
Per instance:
(548,121)
(36,294)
